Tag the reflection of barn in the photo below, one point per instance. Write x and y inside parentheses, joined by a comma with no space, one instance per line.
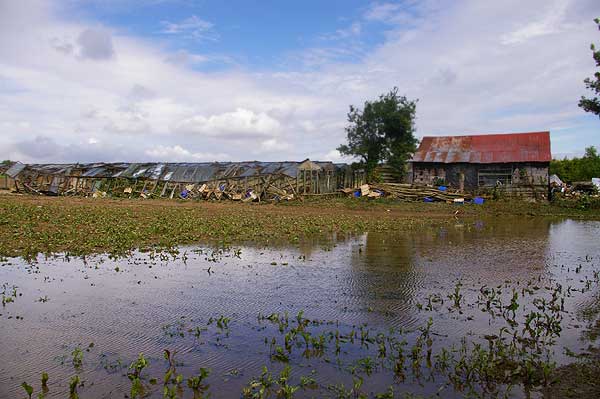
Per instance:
(215,180)
(517,162)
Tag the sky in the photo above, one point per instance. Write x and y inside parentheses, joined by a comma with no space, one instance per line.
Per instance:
(207,80)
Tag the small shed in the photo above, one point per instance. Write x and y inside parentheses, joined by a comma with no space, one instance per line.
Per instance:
(517,162)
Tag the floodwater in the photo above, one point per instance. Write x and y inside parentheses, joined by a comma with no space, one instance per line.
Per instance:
(114,309)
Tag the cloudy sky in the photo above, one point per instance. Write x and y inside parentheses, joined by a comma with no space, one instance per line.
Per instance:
(182,80)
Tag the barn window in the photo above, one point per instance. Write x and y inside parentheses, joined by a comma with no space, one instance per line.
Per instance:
(491,177)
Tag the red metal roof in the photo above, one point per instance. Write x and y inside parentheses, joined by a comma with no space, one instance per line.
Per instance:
(485,148)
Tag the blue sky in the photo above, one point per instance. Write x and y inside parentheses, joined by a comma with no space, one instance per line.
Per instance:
(183,80)
(252,34)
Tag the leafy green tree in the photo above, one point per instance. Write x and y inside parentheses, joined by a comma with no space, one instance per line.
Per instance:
(577,169)
(593,104)
(382,131)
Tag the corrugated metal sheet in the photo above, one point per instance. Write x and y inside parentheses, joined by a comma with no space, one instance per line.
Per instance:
(485,148)
(14,170)
(174,172)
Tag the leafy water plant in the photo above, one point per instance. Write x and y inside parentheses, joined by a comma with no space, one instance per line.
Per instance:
(44,380)
(196,382)
(28,388)
(286,390)
(456,296)
(136,367)
(308,382)
(171,380)
(280,355)
(259,388)
(77,357)
(73,384)
(223,323)
(9,294)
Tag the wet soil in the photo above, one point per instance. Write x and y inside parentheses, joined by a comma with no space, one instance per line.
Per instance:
(30,225)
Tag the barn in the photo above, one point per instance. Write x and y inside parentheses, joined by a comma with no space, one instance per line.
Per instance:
(516,163)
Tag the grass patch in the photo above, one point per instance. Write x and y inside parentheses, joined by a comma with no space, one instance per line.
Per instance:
(78,226)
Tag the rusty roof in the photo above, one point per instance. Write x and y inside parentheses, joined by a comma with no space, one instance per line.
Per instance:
(485,148)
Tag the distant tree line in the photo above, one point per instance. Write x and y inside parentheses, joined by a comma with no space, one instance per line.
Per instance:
(577,169)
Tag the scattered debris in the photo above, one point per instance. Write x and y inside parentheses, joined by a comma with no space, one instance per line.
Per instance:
(237,181)
(409,192)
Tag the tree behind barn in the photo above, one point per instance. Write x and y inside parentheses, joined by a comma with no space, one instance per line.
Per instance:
(382,131)
(593,104)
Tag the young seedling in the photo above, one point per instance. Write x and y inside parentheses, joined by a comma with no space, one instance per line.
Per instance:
(44,380)
(134,376)
(77,355)
(196,382)
(28,388)
(73,383)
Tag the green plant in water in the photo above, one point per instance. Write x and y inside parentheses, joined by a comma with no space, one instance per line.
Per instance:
(171,380)
(134,376)
(308,382)
(456,296)
(196,382)
(259,388)
(28,388)
(77,355)
(44,380)
(367,364)
(280,355)
(389,394)
(223,322)
(286,391)
(73,383)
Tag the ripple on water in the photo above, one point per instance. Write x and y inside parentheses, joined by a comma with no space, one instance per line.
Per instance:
(373,279)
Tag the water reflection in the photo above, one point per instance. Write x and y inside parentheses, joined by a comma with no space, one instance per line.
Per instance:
(125,307)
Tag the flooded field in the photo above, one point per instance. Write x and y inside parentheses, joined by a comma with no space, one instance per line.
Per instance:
(466,309)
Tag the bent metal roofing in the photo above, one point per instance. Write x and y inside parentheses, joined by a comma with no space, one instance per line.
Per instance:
(177,172)
(485,148)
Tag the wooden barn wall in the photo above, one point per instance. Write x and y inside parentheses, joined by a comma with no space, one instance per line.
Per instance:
(523,174)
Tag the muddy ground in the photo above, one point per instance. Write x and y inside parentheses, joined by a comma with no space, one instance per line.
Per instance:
(33,224)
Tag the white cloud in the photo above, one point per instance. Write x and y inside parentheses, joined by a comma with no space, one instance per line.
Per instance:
(182,57)
(407,13)
(354,30)
(274,145)
(95,44)
(335,156)
(384,12)
(192,28)
(239,124)
(551,22)
(132,99)
(177,153)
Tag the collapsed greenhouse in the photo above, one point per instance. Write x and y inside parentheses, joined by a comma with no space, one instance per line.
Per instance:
(243,181)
